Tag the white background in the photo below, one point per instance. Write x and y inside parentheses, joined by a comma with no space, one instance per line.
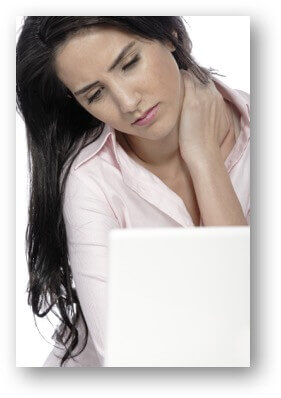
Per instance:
(228,52)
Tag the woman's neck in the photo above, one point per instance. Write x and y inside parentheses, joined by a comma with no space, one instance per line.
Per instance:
(162,157)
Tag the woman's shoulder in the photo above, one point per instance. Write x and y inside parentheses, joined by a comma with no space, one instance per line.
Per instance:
(244,94)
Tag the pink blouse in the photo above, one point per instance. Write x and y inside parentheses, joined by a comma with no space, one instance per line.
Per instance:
(107,189)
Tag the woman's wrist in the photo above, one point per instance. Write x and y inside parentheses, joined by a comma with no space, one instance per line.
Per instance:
(217,200)
(201,157)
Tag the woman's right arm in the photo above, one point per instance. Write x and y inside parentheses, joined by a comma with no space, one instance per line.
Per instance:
(88,219)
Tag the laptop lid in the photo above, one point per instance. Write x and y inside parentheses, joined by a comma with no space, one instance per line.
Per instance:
(178,297)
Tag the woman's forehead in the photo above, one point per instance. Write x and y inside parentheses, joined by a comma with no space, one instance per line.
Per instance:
(90,53)
(100,35)
(94,48)
(98,42)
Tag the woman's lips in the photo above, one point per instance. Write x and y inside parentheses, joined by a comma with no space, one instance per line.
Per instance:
(150,116)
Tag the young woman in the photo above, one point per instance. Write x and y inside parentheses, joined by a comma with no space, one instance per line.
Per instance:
(124,129)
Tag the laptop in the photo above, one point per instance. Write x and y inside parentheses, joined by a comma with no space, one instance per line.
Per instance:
(178,297)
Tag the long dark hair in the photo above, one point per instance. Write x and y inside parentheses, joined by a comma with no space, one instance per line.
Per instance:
(57,128)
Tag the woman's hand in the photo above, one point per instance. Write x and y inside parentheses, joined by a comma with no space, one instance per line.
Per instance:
(204,122)
(203,126)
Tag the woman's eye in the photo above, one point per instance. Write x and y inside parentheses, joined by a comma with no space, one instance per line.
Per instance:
(96,96)
(133,61)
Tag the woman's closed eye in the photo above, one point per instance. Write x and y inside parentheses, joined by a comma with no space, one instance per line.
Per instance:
(96,96)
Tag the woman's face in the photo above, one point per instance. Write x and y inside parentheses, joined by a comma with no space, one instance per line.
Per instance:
(147,75)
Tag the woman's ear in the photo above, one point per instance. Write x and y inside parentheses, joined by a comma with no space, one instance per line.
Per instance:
(169,44)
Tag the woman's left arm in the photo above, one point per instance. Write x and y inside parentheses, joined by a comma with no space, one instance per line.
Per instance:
(215,194)
(203,127)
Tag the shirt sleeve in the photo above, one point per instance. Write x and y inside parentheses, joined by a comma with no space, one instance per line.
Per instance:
(88,219)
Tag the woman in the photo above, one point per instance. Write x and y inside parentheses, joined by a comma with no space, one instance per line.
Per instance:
(124,129)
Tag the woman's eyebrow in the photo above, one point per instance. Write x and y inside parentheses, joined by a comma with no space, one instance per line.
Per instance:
(113,66)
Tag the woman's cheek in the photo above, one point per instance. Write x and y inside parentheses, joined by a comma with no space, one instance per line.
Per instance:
(102,111)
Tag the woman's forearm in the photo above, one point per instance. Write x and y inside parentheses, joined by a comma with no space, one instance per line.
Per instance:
(216,197)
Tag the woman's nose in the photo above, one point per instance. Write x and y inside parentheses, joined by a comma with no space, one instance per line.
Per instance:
(127,99)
